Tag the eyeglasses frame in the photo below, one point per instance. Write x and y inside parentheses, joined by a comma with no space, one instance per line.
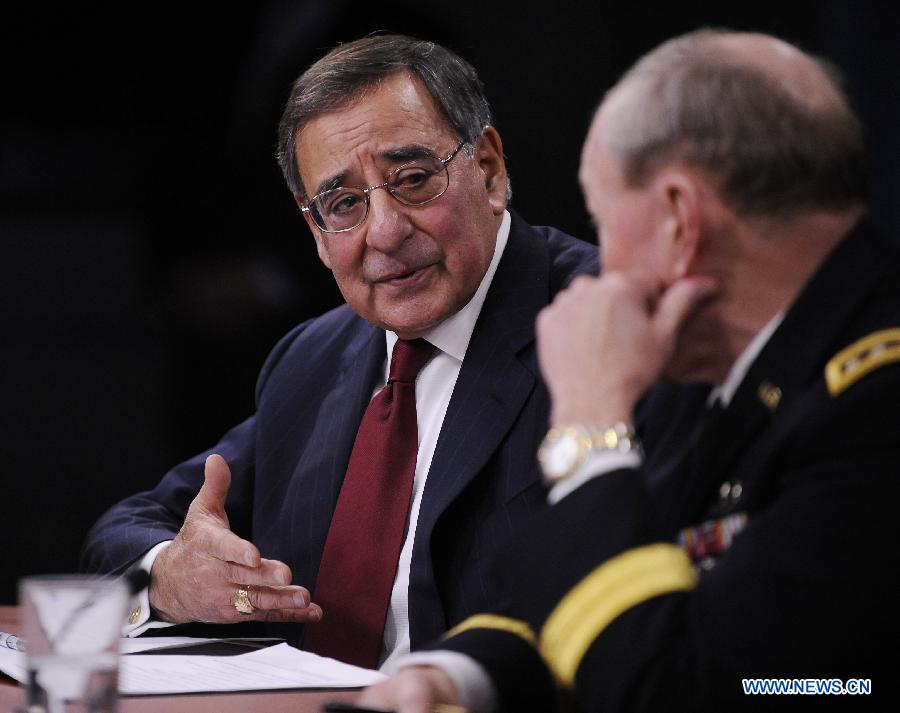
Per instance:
(366,191)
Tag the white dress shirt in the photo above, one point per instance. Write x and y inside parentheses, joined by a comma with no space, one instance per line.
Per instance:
(434,387)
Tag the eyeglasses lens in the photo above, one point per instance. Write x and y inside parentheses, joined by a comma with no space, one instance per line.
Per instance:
(413,183)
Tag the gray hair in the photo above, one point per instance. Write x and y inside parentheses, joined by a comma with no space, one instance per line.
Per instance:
(776,144)
(349,70)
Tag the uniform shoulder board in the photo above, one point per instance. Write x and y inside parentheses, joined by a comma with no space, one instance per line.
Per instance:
(863,356)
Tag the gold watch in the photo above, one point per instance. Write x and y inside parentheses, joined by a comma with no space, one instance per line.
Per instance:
(564,448)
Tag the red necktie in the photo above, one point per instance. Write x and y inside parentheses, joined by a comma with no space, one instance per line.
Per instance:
(362,549)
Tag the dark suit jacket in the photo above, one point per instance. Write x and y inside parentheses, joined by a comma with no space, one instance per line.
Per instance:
(807,587)
(288,460)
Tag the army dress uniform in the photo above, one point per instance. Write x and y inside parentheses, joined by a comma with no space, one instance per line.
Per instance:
(769,548)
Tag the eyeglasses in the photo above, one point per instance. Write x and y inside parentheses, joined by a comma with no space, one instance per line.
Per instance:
(418,182)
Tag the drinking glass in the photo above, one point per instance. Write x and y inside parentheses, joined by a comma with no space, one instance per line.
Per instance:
(72,626)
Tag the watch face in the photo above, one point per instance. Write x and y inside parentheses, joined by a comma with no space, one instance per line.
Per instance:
(559,455)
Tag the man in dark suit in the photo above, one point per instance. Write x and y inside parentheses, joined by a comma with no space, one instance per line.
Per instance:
(388,148)
(725,172)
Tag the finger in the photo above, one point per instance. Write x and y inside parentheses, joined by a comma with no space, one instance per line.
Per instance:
(228,613)
(277,570)
(222,544)
(290,603)
(310,615)
(280,598)
(216,481)
(293,597)
(678,302)
(267,573)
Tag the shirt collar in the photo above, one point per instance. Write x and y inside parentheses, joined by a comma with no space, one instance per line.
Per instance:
(453,334)
(726,390)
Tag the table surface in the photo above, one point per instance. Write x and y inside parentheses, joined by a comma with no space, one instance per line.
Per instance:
(12,694)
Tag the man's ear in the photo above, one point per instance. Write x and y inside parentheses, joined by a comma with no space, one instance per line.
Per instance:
(681,201)
(489,157)
(317,234)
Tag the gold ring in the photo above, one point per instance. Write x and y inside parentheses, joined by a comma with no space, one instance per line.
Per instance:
(242,603)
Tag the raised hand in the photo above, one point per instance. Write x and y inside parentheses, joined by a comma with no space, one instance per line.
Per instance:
(196,576)
(604,341)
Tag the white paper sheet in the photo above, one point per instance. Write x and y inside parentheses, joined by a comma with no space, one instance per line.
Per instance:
(12,663)
(147,643)
(275,667)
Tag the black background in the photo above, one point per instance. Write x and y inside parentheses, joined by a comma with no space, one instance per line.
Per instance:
(150,254)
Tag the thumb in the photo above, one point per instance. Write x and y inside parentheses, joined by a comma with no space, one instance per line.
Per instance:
(678,302)
(216,481)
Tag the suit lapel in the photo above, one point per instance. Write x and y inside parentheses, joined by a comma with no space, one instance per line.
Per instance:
(787,364)
(495,381)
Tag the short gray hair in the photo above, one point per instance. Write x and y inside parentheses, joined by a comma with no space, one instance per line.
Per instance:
(774,149)
(349,70)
